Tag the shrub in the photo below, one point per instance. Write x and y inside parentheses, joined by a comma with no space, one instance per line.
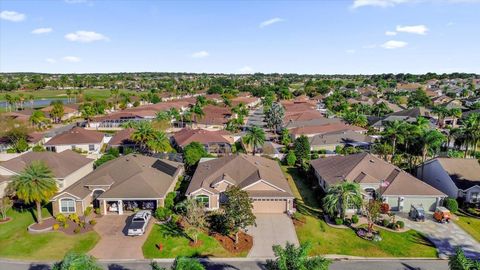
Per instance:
(97,211)
(451,204)
(92,222)
(355,219)
(291,158)
(61,219)
(163,213)
(81,224)
(385,222)
(175,218)
(88,211)
(384,208)
(170,200)
(66,225)
(76,230)
(56,226)
(400,224)
(338,221)
(347,221)
(218,223)
(74,217)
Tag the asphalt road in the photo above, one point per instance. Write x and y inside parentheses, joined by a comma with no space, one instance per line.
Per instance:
(256,265)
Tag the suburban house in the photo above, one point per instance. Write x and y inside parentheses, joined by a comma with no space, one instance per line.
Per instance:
(67,167)
(122,140)
(377,179)
(329,141)
(311,131)
(215,142)
(70,111)
(121,186)
(260,177)
(456,177)
(20,115)
(214,118)
(77,138)
(409,115)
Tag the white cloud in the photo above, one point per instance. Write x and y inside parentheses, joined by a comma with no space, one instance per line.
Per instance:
(12,16)
(44,30)
(85,36)
(394,44)
(200,54)
(246,69)
(72,59)
(377,3)
(50,60)
(390,33)
(413,29)
(350,51)
(270,22)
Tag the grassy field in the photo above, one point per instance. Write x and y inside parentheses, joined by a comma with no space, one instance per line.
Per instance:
(178,245)
(39,94)
(327,240)
(17,243)
(470,225)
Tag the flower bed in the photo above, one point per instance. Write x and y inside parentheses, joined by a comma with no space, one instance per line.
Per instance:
(245,242)
(370,236)
(69,227)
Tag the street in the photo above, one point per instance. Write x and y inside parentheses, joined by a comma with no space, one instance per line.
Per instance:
(246,264)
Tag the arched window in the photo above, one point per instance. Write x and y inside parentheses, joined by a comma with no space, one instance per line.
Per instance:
(203,199)
(67,205)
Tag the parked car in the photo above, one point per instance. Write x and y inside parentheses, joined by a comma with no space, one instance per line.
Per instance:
(139,223)
(442,215)
(417,213)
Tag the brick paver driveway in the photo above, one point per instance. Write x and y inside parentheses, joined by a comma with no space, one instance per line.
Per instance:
(271,229)
(114,243)
(445,236)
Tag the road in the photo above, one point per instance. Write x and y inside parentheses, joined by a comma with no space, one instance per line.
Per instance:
(244,264)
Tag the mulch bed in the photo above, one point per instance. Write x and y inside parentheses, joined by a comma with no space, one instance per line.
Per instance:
(49,222)
(8,219)
(197,244)
(245,242)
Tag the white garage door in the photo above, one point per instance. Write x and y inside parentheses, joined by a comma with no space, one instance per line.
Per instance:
(269,205)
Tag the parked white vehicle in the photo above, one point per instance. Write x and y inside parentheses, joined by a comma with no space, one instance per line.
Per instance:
(139,223)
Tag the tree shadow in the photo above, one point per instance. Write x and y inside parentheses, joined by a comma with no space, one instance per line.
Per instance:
(408,267)
(115,266)
(218,265)
(39,267)
(172,229)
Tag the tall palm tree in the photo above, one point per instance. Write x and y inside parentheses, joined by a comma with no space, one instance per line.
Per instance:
(197,112)
(143,133)
(37,119)
(394,131)
(255,137)
(36,184)
(340,197)
(431,141)
(159,143)
(471,131)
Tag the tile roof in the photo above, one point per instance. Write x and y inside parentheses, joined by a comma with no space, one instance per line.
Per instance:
(122,137)
(76,135)
(327,128)
(186,136)
(464,172)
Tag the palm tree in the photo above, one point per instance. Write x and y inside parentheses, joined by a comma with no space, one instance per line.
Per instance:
(143,133)
(197,112)
(340,197)
(88,112)
(74,260)
(295,258)
(35,184)
(9,101)
(441,112)
(432,140)
(394,131)
(159,143)
(37,119)
(255,137)
(459,261)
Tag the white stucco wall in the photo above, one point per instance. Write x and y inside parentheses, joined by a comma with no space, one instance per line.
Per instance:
(435,175)
(77,175)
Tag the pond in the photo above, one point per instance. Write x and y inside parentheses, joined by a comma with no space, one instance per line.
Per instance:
(38,103)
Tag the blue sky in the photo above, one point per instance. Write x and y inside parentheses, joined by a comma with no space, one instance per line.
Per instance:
(327,37)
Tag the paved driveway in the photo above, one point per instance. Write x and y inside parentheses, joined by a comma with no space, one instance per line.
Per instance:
(114,243)
(445,236)
(271,229)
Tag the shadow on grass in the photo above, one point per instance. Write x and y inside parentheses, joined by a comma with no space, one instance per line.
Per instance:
(115,266)
(421,239)
(172,229)
(309,203)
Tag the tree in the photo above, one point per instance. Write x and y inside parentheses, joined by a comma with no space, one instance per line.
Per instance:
(35,184)
(394,131)
(255,138)
(181,263)
(57,111)
(459,261)
(419,98)
(5,204)
(431,141)
(88,112)
(274,116)
(77,261)
(37,119)
(372,211)
(193,152)
(238,210)
(340,197)
(143,133)
(354,118)
(291,158)
(302,150)
(159,143)
(194,214)
(197,112)
(296,258)
(285,137)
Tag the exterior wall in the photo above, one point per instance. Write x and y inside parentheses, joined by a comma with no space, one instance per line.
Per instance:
(434,175)
(3,186)
(214,199)
(77,175)
(327,147)
(83,147)
(56,206)
(468,196)
(222,186)
(260,186)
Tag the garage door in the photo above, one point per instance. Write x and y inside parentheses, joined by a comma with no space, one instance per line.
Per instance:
(269,205)
(427,203)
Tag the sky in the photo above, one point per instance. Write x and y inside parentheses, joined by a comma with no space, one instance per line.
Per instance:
(305,37)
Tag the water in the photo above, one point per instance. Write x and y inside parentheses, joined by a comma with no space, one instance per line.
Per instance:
(38,103)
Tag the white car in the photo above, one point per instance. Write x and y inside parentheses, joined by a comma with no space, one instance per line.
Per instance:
(139,223)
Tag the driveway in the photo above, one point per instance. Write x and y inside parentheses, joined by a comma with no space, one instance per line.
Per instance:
(271,229)
(114,243)
(445,236)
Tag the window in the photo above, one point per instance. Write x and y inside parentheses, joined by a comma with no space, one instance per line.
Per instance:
(67,206)
(475,197)
(203,199)
(91,147)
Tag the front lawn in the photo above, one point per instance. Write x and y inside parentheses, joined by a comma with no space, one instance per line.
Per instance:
(469,224)
(17,243)
(179,245)
(327,240)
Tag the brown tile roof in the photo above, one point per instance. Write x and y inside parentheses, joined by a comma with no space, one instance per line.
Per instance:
(215,115)
(122,137)
(464,172)
(76,135)
(244,100)
(340,137)
(130,176)
(243,170)
(327,128)
(62,164)
(186,136)
(302,116)
(366,168)
(67,108)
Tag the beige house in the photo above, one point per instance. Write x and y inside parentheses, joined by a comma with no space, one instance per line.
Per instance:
(260,177)
(77,138)
(68,167)
(121,186)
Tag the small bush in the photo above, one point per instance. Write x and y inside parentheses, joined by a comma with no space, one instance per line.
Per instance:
(163,213)
(97,211)
(61,219)
(81,224)
(88,211)
(338,221)
(66,225)
(451,204)
(92,222)
(384,208)
(347,221)
(74,217)
(170,200)
(175,218)
(400,224)
(355,219)
(56,226)
(385,222)
(218,223)
(76,230)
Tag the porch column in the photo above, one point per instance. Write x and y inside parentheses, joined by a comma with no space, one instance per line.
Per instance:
(120,207)
(104,207)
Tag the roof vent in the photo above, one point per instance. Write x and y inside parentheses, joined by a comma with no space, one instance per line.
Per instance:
(372,161)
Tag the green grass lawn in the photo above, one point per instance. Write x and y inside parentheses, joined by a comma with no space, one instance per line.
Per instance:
(178,245)
(17,243)
(94,94)
(327,240)
(470,225)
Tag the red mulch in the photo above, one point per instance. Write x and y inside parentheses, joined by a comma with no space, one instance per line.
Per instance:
(197,244)
(8,219)
(245,242)
(298,223)
(49,222)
